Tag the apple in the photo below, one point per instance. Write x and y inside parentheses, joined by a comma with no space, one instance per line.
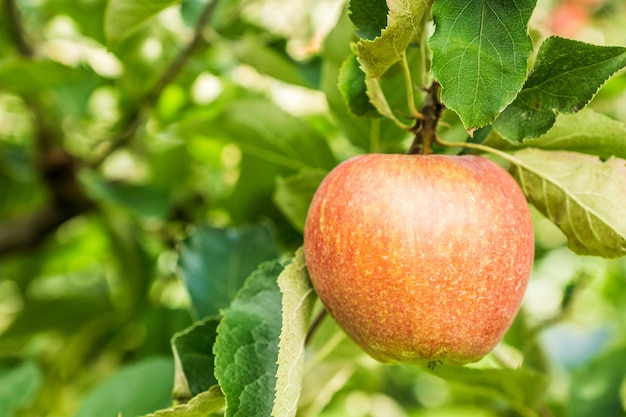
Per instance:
(420,258)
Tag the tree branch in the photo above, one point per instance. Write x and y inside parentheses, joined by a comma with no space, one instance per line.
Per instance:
(137,116)
(425,128)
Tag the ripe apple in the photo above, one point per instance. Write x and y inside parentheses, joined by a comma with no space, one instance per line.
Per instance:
(420,258)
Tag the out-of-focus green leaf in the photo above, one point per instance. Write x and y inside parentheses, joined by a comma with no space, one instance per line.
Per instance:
(134,390)
(480,55)
(369,17)
(24,76)
(565,77)
(215,263)
(403,22)
(294,194)
(522,389)
(595,389)
(143,200)
(18,386)
(298,297)
(246,349)
(352,86)
(252,51)
(586,132)
(582,195)
(122,17)
(202,405)
(193,354)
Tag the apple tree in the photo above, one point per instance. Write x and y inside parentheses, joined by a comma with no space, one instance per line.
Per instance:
(157,164)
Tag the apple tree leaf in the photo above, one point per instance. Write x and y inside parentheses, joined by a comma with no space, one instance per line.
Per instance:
(202,405)
(19,386)
(193,358)
(298,298)
(215,263)
(369,17)
(582,195)
(566,76)
(480,55)
(246,348)
(122,17)
(586,132)
(293,195)
(403,21)
(352,85)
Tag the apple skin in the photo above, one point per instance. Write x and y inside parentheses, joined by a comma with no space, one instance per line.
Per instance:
(420,258)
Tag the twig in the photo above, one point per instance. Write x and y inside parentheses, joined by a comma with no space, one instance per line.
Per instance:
(315,325)
(425,128)
(136,119)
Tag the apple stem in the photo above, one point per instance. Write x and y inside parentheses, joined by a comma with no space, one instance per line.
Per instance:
(315,324)
(425,129)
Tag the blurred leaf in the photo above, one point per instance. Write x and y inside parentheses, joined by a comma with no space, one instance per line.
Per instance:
(480,55)
(246,349)
(595,388)
(522,389)
(193,355)
(25,76)
(565,77)
(586,132)
(122,17)
(134,390)
(143,200)
(353,88)
(262,129)
(403,21)
(18,386)
(582,195)
(269,61)
(202,405)
(369,17)
(298,297)
(293,195)
(215,263)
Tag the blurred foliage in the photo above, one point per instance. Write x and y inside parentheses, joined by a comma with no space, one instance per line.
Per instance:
(214,164)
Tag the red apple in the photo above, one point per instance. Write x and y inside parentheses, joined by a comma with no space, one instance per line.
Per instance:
(420,258)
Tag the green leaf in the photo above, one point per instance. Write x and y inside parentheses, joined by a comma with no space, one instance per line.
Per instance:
(25,76)
(480,55)
(353,88)
(193,357)
(18,386)
(522,389)
(122,17)
(369,17)
(133,390)
(586,132)
(403,22)
(294,194)
(298,298)
(246,349)
(566,76)
(582,195)
(215,263)
(594,390)
(202,405)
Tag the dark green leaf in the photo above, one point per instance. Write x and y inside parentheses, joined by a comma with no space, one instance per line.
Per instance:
(566,76)
(294,194)
(369,17)
(480,55)
(595,389)
(18,386)
(582,195)
(586,132)
(125,16)
(246,350)
(215,263)
(352,86)
(134,390)
(193,353)
(19,75)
